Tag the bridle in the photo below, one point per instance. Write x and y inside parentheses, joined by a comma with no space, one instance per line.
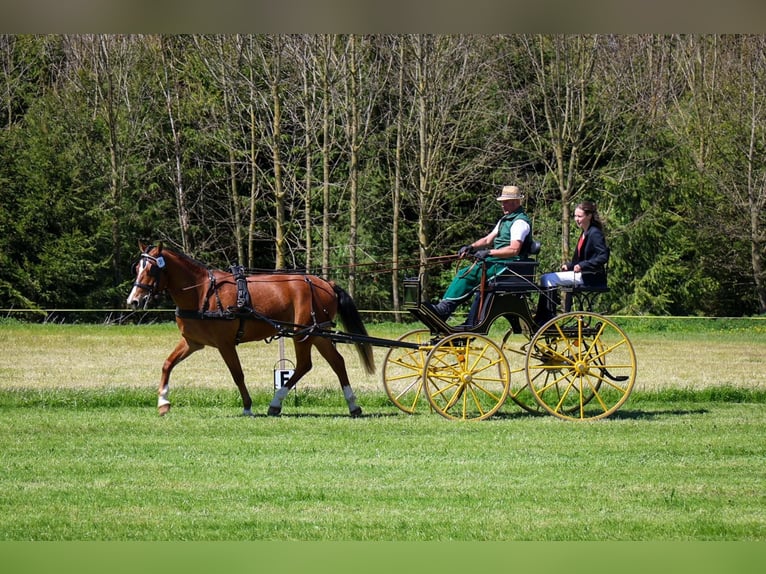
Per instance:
(155,273)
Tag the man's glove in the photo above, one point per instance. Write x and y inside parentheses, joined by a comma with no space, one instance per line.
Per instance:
(482,254)
(465,250)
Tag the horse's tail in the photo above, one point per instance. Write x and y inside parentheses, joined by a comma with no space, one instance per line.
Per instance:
(352,322)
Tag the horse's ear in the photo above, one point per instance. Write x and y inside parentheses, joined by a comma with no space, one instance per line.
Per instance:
(141,246)
(159,248)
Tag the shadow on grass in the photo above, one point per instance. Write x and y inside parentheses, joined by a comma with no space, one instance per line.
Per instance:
(301,415)
(632,414)
(623,414)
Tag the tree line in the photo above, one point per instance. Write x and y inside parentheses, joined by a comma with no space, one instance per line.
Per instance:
(364,157)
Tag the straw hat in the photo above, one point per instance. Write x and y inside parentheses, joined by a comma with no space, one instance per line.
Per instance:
(510,192)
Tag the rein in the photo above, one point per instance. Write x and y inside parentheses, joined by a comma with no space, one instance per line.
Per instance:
(254,272)
(402,265)
(240,276)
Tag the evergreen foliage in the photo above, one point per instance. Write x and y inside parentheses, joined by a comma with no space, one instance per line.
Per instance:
(262,149)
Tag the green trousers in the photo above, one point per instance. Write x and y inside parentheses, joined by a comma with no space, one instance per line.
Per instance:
(468,278)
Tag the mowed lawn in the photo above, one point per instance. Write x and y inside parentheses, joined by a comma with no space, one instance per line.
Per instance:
(84,455)
(100,356)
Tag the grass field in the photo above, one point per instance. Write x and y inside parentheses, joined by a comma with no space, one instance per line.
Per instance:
(685,354)
(85,457)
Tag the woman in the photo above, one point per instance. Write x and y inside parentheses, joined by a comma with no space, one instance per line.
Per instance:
(587,267)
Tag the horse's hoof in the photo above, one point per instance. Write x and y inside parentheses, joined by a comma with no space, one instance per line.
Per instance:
(274,411)
(247,413)
(357,412)
(163,410)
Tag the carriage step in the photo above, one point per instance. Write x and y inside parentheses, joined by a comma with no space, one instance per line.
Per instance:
(430,319)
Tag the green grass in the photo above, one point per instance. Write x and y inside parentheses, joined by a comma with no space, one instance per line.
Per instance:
(657,471)
(83,455)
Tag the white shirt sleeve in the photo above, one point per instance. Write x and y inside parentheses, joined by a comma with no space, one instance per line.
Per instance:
(519,230)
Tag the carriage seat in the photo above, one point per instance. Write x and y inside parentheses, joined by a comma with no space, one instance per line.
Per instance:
(585,288)
(582,297)
(602,288)
(519,276)
(517,279)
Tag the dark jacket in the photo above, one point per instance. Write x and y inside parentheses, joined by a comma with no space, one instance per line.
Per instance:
(592,258)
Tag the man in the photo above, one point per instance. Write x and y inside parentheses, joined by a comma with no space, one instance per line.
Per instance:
(510,240)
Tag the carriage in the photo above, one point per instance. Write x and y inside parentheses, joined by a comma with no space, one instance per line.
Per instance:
(579,365)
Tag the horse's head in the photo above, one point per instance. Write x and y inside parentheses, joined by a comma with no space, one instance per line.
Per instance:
(150,276)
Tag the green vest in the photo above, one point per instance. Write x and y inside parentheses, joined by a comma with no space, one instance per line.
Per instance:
(503,238)
(470,277)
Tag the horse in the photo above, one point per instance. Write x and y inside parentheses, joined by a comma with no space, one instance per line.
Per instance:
(223,309)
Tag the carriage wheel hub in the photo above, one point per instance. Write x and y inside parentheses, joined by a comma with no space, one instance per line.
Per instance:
(581,368)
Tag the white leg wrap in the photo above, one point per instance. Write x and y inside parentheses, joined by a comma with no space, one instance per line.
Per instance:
(350,398)
(279,396)
(163,398)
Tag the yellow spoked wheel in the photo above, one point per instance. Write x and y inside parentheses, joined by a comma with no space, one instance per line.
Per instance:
(514,346)
(403,370)
(580,366)
(466,377)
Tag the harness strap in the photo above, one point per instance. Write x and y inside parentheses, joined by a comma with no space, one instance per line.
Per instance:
(313,313)
(243,294)
(243,311)
(195,314)
(212,288)
(243,307)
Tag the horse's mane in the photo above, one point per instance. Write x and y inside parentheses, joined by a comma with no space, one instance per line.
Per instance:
(190,259)
(247,270)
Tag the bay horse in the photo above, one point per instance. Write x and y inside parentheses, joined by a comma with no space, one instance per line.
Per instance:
(222,309)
